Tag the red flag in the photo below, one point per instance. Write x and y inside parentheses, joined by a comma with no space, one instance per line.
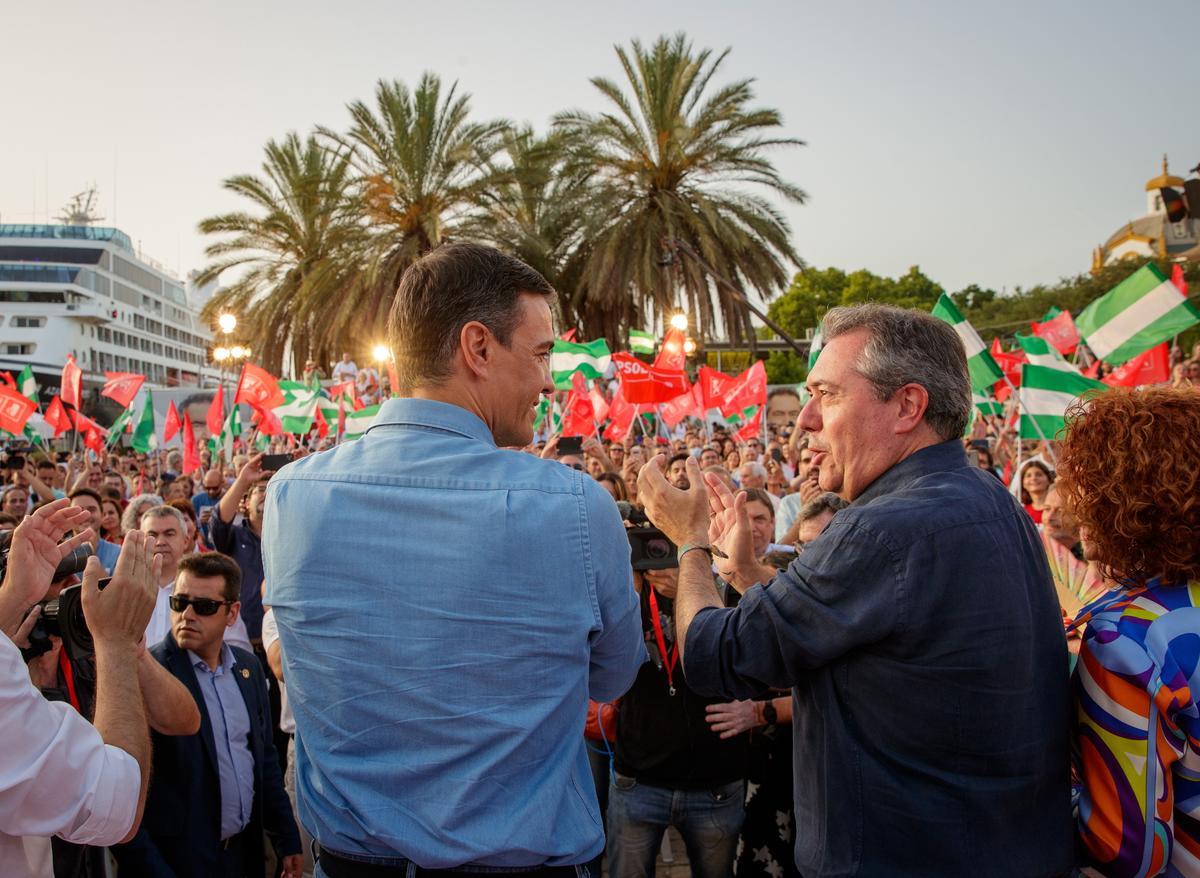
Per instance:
(749,388)
(621,414)
(647,384)
(8,379)
(15,410)
(1059,332)
(1149,367)
(191,457)
(56,416)
(322,424)
(266,422)
(122,387)
(579,418)
(258,388)
(569,335)
(345,389)
(172,425)
(83,423)
(1177,278)
(683,406)
(671,356)
(215,419)
(714,386)
(93,438)
(72,383)
(1009,363)
(393,378)
(752,427)
(599,404)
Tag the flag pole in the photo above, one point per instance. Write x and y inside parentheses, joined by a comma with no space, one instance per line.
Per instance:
(1032,420)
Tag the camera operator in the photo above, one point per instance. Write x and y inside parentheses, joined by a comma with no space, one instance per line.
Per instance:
(59,775)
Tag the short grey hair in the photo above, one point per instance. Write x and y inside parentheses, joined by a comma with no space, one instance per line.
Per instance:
(826,502)
(755,469)
(164,512)
(131,518)
(910,347)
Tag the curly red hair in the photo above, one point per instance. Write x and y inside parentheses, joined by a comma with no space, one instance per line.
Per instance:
(1130,469)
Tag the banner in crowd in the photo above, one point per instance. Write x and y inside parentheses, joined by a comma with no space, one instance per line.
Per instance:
(1058,328)
(566,358)
(1039,352)
(641,342)
(1140,312)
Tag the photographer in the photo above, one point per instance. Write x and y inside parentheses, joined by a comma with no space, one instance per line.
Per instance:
(58,774)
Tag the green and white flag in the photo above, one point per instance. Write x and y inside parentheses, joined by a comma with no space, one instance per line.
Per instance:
(986,405)
(299,407)
(983,369)
(27,385)
(222,444)
(1040,352)
(1045,396)
(118,427)
(1141,311)
(360,421)
(144,438)
(641,342)
(567,357)
(546,409)
(814,347)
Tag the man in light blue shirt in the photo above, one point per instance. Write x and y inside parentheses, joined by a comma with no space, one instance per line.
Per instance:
(446,606)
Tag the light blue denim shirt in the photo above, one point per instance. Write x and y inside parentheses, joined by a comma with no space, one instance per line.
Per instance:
(445,609)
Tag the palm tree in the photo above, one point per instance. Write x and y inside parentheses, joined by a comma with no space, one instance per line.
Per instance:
(300,250)
(422,165)
(540,207)
(669,160)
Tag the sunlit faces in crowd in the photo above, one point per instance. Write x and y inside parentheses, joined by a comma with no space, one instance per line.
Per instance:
(783,407)
(16,501)
(709,457)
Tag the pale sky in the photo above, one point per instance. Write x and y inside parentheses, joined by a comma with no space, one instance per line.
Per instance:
(990,143)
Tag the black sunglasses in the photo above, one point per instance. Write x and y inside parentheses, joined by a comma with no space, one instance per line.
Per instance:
(202,606)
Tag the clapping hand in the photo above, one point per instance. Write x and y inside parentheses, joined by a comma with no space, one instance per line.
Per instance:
(36,550)
(120,613)
(729,530)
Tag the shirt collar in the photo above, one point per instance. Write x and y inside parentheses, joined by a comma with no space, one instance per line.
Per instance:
(931,459)
(223,667)
(406,411)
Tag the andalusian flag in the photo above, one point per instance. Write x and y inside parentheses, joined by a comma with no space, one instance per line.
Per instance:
(641,342)
(1045,396)
(27,385)
(545,409)
(567,357)
(1141,311)
(1040,352)
(144,438)
(299,407)
(983,369)
(986,405)
(814,347)
(222,444)
(119,426)
(360,421)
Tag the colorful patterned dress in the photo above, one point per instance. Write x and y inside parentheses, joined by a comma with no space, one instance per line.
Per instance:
(1138,731)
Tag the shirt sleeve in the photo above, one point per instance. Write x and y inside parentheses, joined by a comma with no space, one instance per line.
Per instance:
(844,591)
(618,649)
(221,532)
(57,776)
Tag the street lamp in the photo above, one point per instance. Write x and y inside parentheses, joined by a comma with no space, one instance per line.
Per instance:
(679,321)
(227,322)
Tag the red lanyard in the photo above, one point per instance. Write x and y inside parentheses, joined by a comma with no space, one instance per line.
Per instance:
(670,661)
(69,676)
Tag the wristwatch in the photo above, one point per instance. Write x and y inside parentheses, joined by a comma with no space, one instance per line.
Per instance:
(769,714)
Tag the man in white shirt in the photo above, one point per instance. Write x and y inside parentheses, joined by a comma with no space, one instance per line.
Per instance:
(60,775)
(346,370)
(166,528)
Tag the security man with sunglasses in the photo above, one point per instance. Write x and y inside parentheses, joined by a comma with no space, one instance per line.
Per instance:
(214,793)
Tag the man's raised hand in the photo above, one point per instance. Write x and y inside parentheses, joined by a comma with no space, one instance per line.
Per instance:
(36,550)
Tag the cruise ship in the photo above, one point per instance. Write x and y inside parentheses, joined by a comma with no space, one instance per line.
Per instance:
(83,290)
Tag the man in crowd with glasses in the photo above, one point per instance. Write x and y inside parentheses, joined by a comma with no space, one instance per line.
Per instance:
(214,793)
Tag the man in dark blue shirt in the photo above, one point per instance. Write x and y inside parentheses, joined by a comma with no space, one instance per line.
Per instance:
(920,633)
(243,542)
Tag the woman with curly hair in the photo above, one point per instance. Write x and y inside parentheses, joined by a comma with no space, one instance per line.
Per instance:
(1130,470)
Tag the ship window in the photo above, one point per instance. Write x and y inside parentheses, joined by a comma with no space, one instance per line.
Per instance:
(31,296)
(29,322)
(19,350)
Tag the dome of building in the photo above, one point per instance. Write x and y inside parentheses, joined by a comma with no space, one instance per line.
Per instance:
(1152,235)
(1164,179)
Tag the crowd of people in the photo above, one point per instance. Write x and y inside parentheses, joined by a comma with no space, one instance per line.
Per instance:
(885,638)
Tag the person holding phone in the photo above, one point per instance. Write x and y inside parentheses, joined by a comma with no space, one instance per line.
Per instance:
(242,539)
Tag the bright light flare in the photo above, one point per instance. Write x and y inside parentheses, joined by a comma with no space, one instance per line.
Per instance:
(221,354)
(381,353)
(679,321)
(227,322)
(689,347)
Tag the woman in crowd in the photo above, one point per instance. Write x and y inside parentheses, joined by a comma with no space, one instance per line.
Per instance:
(1130,472)
(131,518)
(195,544)
(1036,479)
(615,485)
(110,521)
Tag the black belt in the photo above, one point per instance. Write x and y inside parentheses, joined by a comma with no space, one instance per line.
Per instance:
(336,866)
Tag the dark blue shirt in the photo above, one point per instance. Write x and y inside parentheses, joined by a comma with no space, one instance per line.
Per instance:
(243,545)
(924,644)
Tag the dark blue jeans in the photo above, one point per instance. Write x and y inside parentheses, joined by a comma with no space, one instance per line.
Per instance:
(639,814)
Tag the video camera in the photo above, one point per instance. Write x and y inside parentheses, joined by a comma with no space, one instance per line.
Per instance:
(61,616)
(649,548)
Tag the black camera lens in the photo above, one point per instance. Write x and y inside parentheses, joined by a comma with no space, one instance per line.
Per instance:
(657,549)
